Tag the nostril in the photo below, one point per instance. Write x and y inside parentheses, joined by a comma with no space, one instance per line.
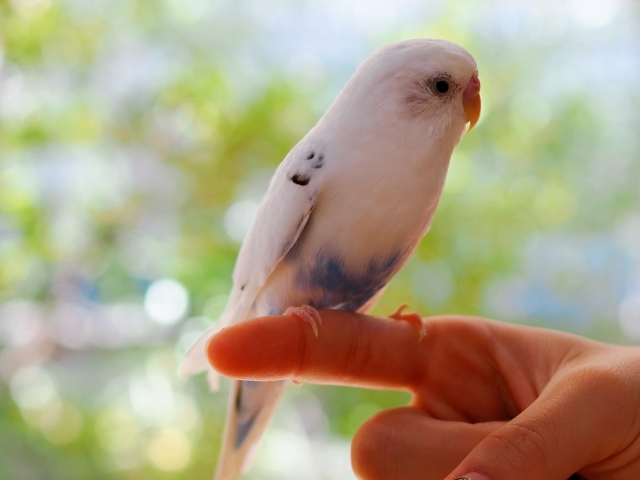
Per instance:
(473,88)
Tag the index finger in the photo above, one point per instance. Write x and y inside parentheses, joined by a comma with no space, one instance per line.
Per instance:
(351,349)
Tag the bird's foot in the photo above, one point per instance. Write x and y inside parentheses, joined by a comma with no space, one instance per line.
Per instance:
(413,318)
(308,314)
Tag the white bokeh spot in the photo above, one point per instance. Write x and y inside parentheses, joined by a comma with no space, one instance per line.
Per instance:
(239,217)
(629,317)
(166,301)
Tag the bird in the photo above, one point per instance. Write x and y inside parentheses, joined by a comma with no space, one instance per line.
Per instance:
(345,210)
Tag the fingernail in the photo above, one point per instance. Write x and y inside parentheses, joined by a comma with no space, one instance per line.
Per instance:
(473,476)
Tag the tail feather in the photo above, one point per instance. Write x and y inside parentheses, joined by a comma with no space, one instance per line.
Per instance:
(251,406)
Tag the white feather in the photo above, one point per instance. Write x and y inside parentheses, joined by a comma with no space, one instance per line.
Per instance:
(282,216)
(345,209)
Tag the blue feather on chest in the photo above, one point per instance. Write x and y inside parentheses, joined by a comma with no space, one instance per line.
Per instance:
(337,286)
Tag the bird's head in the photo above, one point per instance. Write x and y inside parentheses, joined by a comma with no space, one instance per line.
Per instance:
(433,79)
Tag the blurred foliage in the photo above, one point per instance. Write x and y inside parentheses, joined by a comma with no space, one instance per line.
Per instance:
(136,138)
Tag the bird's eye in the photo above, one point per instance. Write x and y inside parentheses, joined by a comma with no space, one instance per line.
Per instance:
(442,86)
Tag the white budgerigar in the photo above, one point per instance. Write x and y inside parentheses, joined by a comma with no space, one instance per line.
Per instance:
(346,208)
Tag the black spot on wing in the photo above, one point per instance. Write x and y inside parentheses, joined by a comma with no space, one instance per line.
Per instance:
(319,162)
(319,159)
(300,179)
(243,286)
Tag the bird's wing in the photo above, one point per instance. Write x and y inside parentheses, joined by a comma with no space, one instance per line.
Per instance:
(282,216)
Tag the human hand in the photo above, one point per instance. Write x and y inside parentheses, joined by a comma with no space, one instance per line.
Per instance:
(491,401)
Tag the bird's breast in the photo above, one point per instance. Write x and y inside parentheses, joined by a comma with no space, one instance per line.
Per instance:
(366,222)
(352,245)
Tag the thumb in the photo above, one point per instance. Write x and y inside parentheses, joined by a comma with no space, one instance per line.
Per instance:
(571,425)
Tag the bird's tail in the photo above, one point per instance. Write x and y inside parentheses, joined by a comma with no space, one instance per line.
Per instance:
(251,406)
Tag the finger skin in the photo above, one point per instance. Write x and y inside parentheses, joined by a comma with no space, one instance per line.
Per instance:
(507,401)
(407,443)
(586,416)
(466,369)
(453,372)
(351,349)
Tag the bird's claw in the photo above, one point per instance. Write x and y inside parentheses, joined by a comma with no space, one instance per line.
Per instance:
(308,314)
(413,318)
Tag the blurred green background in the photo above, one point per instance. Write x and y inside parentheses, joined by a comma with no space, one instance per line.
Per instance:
(137,137)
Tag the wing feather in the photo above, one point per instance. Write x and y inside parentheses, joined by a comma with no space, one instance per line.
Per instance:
(280,220)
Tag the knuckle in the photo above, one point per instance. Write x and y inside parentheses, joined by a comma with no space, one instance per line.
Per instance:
(599,383)
(600,380)
(301,353)
(359,353)
(600,376)
(522,446)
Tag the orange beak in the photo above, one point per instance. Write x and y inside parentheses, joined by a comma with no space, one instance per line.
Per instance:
(471,101)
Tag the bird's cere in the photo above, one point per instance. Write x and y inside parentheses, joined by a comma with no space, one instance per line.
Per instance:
(471,101)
